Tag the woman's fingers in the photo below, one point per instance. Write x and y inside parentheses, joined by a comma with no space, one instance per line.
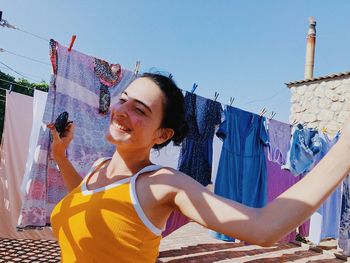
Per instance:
(54,133)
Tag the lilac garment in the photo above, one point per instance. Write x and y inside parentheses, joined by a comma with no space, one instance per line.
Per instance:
(75,88)
(278,181)
(279,141)
(174,222)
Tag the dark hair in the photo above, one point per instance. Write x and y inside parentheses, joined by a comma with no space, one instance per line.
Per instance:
(174,109)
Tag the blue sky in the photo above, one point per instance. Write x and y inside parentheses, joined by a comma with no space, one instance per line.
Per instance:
(244,49)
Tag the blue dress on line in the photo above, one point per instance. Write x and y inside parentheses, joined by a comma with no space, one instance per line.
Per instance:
(202,116)
(242,173)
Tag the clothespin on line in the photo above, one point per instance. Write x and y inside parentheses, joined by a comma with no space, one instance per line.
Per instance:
(137,67)
(4,23)
(273,114)
(195,85)
(232,99)
(262,112)
(216,95)
(72,43)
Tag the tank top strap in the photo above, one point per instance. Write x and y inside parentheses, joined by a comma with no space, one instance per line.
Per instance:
(135,199)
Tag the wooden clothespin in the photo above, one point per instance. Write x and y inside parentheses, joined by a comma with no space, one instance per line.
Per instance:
(232,99)
(272,115)
(137,67)
(262,112)
(216,95)
(10,89)
(72,43)
(195,85)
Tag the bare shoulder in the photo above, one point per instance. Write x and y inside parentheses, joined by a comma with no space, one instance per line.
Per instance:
(173,178)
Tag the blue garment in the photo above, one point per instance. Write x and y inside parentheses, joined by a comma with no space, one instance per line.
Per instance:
(202,115)
(306,144)
(242,174)
(331,208)
(344,231)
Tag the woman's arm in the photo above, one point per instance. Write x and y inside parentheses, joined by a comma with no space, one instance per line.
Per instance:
(59,145)
(264,226)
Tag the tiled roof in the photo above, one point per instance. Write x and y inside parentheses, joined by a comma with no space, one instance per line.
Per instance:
(327,77)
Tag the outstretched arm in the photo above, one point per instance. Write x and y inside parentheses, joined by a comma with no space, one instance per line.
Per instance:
(264,226)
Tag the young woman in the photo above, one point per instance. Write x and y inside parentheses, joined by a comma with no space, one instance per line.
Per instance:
(117,212)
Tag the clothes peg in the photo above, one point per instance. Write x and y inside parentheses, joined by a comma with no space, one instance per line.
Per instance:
(262,112)
(72,43)
(232,99)
(272,115)
(10,89)
(216,95)
(137,67)
(195,85)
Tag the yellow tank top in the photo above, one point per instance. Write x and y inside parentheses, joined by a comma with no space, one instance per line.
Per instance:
(105,224)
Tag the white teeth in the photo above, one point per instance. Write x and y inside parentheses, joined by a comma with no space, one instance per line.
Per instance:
(121,127)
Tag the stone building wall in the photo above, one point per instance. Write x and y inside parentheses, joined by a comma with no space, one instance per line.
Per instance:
(321,104)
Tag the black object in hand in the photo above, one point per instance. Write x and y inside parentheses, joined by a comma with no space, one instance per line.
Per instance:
(61,123)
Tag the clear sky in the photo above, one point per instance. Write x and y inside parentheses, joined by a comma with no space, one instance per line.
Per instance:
(244,49)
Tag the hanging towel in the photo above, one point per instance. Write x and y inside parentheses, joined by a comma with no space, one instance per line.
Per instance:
(14,149)
(242,168)
(78,86)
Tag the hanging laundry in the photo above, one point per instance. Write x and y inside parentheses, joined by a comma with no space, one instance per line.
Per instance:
(306,144)
(202,116)
(329,212)
(344,229)
(279,141)
(278,181)
(75,88)
(20,112)
(242,167)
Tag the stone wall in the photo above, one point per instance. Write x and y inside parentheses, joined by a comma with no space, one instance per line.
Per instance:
(321,104)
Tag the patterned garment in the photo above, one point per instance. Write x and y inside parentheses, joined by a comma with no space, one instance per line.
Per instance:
(344,229)
(75,88)
(196,155)
(279,141)
(306,144)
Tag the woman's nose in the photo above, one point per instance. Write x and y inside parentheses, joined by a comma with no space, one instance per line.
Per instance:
(120,109)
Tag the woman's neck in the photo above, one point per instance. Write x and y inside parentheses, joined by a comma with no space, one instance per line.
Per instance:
(127,163)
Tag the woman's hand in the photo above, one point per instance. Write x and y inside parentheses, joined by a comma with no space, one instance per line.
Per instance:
(60,144)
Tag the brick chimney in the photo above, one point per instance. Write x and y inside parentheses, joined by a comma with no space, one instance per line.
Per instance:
(310,49)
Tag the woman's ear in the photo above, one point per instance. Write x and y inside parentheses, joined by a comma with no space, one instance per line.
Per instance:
(165,134)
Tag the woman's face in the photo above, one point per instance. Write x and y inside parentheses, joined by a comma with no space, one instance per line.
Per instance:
(137,116)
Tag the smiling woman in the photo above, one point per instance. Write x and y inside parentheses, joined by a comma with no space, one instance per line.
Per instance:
(117,212)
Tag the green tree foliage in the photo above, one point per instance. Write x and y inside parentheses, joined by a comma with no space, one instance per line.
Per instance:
(22,86)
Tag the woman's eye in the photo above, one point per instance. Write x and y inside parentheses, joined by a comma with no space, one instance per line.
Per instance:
(140,111)
(121,100)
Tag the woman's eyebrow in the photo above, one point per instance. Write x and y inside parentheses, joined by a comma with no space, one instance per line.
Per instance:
(138,101)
